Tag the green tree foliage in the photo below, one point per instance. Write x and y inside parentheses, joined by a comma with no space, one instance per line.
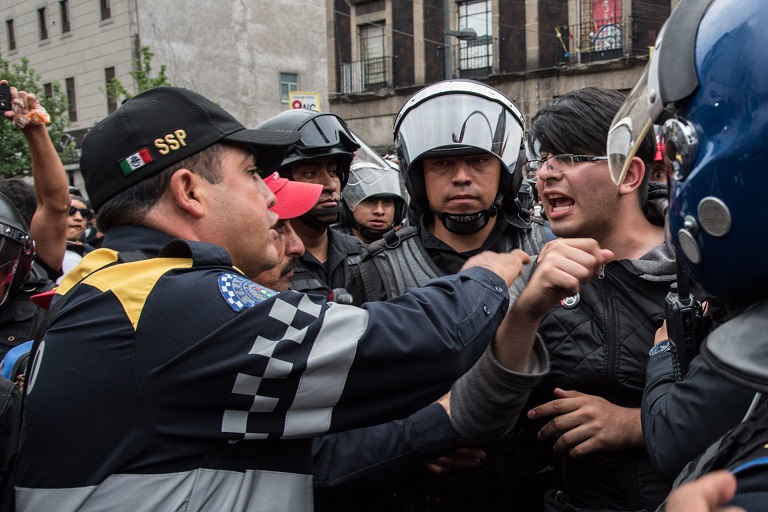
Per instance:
(14,153)
(142,70)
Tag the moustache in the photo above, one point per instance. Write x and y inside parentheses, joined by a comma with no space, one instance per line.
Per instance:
(289,266)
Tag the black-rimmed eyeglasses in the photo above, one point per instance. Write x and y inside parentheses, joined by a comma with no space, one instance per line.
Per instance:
(559,164)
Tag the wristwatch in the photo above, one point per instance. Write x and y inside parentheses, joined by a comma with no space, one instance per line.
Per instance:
(662,346)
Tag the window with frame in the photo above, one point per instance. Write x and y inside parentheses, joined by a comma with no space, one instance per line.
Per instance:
(42,24)
(72,99)
(48,90)
(373,62)
(476,57)
(289,82)
(106,9)
(601,28)
(64,9)
(11,35)
(109,75)
(368,6)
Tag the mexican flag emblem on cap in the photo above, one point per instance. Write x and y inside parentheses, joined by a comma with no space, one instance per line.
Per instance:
(135,161)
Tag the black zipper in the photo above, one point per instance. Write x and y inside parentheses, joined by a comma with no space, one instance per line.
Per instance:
(611,329)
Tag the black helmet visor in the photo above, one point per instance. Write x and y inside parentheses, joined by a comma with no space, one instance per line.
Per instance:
(323,132)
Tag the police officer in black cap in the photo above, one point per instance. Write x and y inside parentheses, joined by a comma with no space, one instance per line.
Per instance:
(203,388)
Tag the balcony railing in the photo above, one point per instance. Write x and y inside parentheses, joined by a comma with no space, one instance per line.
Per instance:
(575,44)
(595,41)
(475,58)
(471,59)
(365,75)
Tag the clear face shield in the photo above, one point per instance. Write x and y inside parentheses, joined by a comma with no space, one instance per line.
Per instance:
(366,180)
(460,121)
(642,109)
(367,155)
(633,121)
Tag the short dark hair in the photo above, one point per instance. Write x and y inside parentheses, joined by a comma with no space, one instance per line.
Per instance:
(22,195)
(578,123)
(132,204)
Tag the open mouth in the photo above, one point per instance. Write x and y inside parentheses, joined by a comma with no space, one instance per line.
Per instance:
(560,203)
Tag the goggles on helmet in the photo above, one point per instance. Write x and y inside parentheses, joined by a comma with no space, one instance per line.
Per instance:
(323,132)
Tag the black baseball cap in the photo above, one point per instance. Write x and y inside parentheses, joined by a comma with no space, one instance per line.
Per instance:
(162,126)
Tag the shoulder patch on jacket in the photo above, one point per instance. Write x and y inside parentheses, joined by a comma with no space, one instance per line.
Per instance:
(240,292)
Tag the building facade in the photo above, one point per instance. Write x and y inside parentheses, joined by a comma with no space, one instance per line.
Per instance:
(363,58)
(246,56)
(382,51)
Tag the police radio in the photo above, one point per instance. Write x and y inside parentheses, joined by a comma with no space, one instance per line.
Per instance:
(685,327)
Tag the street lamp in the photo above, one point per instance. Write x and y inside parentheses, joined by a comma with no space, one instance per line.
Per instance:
(467,34)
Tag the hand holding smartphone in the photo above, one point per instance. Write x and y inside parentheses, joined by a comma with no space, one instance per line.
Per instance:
(28,111)
(5,97)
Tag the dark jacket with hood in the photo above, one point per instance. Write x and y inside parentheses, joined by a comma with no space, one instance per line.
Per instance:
(598,346)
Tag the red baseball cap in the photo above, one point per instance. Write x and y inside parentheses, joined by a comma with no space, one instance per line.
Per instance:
(294,198)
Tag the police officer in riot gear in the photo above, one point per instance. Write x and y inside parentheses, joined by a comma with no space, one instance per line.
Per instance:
(468,137)
(374,201)
(322,155)
(17,312)
(42,214)
(19,318)
(705,84)
(456,118)
(458,143)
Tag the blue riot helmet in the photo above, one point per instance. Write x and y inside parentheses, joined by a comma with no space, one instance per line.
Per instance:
(455,118)
(707,84)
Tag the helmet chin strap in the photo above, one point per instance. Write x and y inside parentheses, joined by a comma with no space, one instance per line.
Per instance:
(370,233)
(470,223)
(311,217)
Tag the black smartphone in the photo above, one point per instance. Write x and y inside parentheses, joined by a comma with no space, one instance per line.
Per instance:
(5,97)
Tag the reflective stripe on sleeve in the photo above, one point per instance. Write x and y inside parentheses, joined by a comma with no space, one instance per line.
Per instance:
(328,365)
